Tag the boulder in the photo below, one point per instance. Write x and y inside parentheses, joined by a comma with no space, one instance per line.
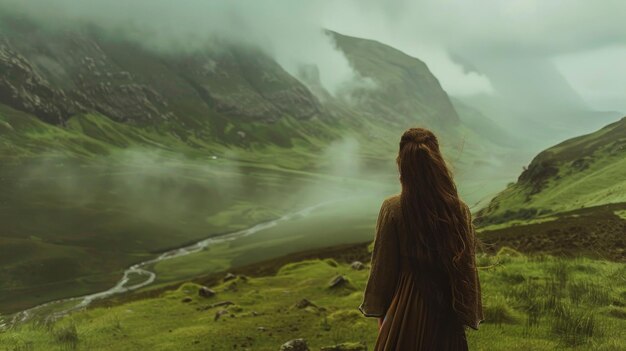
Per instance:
(338,282)
(357,265)
(229,276)
(304,303)
(206,292)
(220,313)
(295,345)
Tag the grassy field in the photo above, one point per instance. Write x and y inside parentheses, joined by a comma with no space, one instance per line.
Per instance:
(531,303)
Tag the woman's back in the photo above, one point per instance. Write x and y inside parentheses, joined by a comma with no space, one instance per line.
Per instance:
(423,280)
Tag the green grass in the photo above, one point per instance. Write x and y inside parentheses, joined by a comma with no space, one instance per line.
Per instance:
(531,302)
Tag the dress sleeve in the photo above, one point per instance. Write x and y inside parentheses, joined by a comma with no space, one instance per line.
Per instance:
(381,283)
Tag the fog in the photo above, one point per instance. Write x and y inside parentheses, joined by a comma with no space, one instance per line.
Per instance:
(527,64)
(164,188)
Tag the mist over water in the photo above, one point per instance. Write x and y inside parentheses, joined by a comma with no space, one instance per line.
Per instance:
(158,186)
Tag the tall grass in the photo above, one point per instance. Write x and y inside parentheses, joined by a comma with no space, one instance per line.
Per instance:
(589,293)
(572,327)
(558,299)
(560,270)
(67,335)
(497,311)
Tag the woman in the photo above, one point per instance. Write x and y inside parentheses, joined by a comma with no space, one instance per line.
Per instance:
(423,285)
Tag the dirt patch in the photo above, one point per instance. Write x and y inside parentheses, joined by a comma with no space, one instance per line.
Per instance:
(595,232)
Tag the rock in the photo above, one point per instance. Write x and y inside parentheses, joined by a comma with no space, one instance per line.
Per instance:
(231,287)
(229,276)
(220,313)
(346,346)
(304,303)
(357,265)
(206,292)
(331,262)
(338,282)
(221,304)
(186,300)
(217,304)
(295,345)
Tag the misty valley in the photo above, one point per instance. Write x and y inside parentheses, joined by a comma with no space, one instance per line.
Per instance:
(161,190)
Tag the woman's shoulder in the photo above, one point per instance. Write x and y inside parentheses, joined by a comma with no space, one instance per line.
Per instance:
(392,203)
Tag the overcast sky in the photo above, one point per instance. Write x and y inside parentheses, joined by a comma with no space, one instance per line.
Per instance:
(473,47)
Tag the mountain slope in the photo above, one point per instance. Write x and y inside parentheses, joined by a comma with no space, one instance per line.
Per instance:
(404,88)
(585,171)
(56,74)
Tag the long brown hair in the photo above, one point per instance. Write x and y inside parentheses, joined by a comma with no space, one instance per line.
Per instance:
(434,215)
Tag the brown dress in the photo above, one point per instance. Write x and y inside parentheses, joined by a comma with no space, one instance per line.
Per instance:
(417,313)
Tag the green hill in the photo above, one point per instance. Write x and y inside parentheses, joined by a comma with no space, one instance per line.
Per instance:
(585,171)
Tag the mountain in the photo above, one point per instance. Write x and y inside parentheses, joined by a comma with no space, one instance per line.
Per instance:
(586,171)
(485,127)
(57,74)
(533,98)
(404,88)
(228,94)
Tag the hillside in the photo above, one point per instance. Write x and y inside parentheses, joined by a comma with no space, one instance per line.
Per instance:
(404,89)
(56,74)
(530,302)
(585,171)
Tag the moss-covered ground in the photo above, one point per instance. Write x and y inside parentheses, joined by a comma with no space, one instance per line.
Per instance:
(530,302)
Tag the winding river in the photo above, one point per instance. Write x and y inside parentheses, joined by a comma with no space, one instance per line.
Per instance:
(58,308)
